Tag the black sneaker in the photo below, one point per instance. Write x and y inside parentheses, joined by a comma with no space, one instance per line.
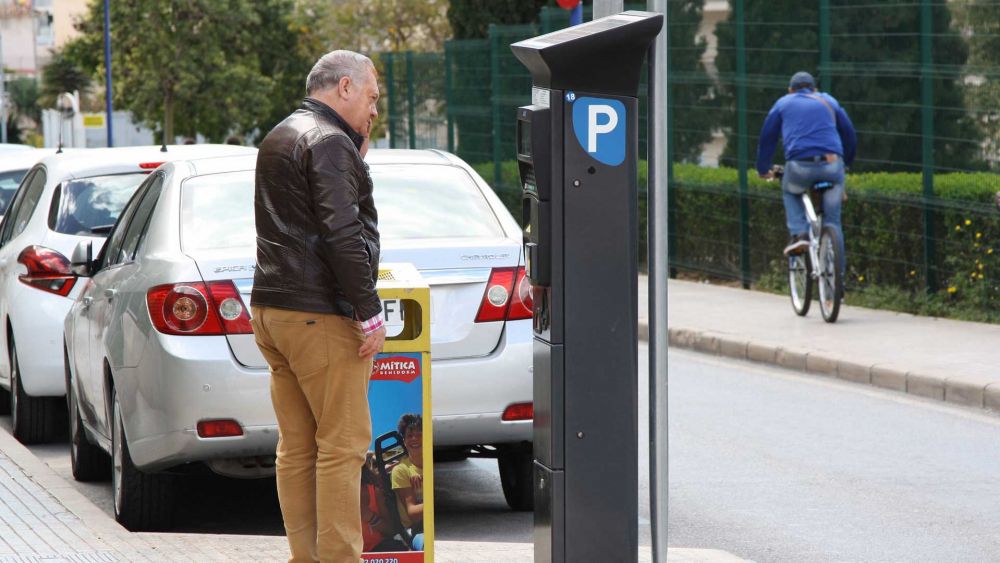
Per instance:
(797,245)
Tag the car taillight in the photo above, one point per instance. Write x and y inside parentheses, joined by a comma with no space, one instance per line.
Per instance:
(507,296)
(219,428)
(518,411)
(521,307)
(198,309)
(48,270)
(229,305)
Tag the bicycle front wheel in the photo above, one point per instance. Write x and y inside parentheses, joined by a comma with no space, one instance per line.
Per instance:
(800,282)
(830,280)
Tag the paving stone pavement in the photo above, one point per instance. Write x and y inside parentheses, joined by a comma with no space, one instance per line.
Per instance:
(45,519)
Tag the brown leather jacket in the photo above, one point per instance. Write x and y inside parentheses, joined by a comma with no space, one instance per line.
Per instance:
(317,228)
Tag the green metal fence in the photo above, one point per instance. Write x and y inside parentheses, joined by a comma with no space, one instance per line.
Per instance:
(919,78)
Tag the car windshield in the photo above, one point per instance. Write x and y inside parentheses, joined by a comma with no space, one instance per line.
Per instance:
(9,181)
(431,201)
(413,201)
(90,206)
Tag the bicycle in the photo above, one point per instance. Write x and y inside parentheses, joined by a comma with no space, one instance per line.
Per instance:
(824,245)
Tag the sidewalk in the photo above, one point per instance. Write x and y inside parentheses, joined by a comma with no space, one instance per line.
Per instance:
(953,361)
(44,518)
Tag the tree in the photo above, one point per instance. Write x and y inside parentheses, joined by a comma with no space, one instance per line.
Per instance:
(372,28)
(377,25)
(875,74)
(980,24)
(694,116)
(195,66)
(471,19)
(62,74)
(23,93)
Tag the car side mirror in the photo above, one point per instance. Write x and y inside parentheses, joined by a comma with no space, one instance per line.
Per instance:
(82,262)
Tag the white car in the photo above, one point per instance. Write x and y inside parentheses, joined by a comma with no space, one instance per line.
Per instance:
(158,386)
(14,164)
(65,198)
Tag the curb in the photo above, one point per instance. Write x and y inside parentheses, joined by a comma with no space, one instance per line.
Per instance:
(954,389)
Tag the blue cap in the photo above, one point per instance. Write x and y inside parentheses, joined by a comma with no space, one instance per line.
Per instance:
(801,79)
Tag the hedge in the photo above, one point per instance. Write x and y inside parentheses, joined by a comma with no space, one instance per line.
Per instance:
(883,225)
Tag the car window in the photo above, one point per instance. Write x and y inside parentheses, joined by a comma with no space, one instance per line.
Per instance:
(217,211)
(413,201)
(89,206)
(25,202)
(431,201)
(111,252)
(8,220)
(139,221)
(8,186)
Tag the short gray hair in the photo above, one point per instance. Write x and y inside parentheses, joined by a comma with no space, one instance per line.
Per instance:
(333,66)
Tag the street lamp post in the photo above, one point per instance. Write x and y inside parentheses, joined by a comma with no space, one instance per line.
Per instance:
(107,70)
(3,99)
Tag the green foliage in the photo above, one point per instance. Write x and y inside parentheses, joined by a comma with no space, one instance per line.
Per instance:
(979,22)
(23,93)
(471,19)
(875,74)
(692,112)
(376,25)
(62,74)
(196,66)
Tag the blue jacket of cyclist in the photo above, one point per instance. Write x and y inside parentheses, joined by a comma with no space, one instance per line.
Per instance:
(819,141)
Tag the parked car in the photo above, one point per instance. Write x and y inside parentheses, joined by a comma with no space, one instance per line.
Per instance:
(65,198)
(161,364)
(14,164)
(14,147)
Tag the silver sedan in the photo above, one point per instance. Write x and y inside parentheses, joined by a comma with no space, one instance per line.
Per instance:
(161,366)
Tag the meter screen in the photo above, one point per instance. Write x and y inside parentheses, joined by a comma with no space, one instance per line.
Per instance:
(524,138)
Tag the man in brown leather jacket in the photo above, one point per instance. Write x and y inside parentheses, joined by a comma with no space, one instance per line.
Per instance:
(316,316)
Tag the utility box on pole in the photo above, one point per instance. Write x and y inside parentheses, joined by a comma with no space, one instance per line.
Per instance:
(577,148)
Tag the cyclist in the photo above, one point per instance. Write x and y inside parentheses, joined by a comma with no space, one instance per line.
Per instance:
(819,140)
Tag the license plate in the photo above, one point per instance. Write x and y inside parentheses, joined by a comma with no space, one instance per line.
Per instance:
(392,312)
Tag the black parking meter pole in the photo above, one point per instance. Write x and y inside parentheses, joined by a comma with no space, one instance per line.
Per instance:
(577,146)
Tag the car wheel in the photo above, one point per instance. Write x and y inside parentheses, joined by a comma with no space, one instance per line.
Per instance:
(32,418)
(89,462)
(143,501)
(517,476)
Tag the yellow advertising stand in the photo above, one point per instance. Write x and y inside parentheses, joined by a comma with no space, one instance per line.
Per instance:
(397,485)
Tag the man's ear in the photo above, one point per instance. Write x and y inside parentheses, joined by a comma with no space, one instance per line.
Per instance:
(344,86)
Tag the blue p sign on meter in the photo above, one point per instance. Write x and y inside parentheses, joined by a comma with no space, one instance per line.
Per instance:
(599,124)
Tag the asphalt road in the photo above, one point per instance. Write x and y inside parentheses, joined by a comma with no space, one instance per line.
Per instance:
(773,466)
(765,463)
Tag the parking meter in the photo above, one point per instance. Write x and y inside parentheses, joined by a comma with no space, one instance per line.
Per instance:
(577,146)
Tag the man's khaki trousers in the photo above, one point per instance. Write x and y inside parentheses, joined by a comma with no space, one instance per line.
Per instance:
(319,387)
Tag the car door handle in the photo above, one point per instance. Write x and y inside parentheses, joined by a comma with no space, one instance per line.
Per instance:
(87,301)
(110,293)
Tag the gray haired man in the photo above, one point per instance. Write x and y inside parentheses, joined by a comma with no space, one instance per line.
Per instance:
(316,316)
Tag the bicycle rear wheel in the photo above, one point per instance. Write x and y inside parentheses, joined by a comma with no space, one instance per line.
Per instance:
(800,282)
(831,283)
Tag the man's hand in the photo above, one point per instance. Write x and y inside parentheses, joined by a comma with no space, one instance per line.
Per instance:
(373,344)
(416,481)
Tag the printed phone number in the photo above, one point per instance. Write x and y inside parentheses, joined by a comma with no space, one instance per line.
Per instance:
(388,560)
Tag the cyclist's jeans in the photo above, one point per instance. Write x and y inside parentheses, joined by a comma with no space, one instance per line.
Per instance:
(799,177)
